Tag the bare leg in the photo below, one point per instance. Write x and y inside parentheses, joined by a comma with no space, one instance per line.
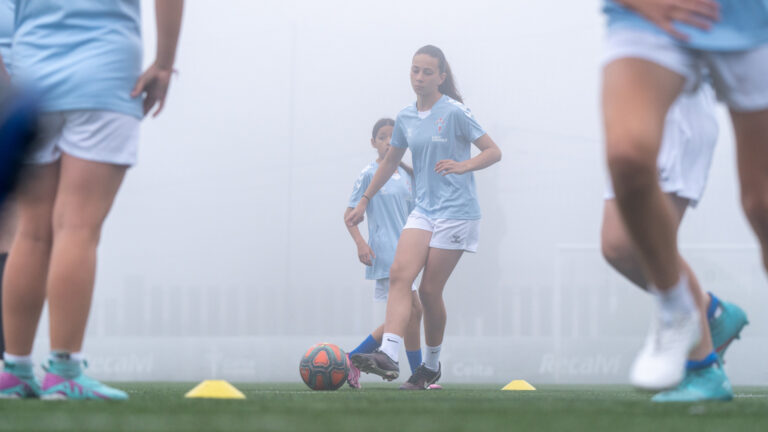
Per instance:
(440,265)
(27,267)
(410,257)
(413,331)
(636,97)
(621,254)
(752,144)
(85,195)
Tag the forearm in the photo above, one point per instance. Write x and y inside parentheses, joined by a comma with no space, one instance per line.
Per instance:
(168,27)
(483,160)
(354,231)
(386,168)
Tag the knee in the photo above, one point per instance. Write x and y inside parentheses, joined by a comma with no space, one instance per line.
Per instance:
(71,228)
(631,166)
(755,203)
(398,276)
(617,251)
(39,232)
(429,297)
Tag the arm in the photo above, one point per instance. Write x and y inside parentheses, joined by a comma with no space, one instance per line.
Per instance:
(386,168)
(664,13)
(155,81)
(407,168)
(364,252)
(490,153)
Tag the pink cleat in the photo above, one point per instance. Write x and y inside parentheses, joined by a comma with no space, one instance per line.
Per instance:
(435,387)
(353,378)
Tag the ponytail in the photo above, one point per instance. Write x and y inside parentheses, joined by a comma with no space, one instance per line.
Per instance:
(448,87)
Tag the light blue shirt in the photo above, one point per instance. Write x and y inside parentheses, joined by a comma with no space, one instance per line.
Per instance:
(387,213)
(743,25)
(6,31)
(80,54)
(447,133)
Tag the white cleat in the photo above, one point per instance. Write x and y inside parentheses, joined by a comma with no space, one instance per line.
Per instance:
(660,365)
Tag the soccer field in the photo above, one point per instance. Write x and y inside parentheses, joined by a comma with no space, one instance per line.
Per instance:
(291,407)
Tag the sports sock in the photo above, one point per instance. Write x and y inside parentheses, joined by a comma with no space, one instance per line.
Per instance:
(390,345)
(704,363)
(367,346)
(713,311)
(432,357)
(675,300)
(414,359)
(16,359)
(77,356)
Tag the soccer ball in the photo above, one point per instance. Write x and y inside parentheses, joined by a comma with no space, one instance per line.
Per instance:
(324,367)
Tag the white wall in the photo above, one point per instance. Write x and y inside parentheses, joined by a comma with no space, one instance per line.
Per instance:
(226,255)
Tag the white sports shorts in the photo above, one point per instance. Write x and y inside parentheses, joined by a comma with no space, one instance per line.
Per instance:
(740,78)
(450,234)
(382,289)
(99,136)
(687,147)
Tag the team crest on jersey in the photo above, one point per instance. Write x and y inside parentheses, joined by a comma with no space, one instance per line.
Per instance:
(440,123)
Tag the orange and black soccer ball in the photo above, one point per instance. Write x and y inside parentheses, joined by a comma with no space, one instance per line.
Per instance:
(324,367)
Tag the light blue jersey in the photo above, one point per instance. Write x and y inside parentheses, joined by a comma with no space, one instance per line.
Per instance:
(447,133)
(80,54)
(743,25)
(387,213)
(6,31)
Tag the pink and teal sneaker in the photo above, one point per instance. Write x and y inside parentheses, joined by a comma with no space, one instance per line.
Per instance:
(353,378)
(65,380)
(18,382)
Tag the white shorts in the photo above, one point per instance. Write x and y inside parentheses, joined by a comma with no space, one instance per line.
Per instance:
(451,234)
(382,289)
(739,77)
(687,147)
(99,136)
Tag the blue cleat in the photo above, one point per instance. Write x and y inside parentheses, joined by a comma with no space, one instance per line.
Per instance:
(708,384)
(17,381)
(727,326)
(65,380)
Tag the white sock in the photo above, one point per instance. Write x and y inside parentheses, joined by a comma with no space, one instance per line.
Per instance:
(390,345)
(77,356)
(27,359)
(432,357)
(677,299)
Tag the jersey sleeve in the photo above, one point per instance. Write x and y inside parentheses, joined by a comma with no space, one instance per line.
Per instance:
(361,184)
(399,138)
(468,127)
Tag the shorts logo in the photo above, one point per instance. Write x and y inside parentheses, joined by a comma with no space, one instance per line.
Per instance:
(456,239)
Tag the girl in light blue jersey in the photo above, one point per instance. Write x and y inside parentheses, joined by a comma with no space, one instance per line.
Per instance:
(440,131)
(84,58)
(387,214)
(655,51)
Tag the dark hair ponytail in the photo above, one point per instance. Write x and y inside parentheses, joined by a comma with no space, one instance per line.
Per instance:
(380,124)
(448,87)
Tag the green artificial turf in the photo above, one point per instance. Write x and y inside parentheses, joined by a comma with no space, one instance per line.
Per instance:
(381,407)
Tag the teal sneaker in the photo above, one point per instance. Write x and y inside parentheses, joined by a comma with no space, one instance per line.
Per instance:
(708,384)
(727,326)
(18,382)
(65,380)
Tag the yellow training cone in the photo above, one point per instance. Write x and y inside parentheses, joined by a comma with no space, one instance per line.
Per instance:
(215,389)
(518,385)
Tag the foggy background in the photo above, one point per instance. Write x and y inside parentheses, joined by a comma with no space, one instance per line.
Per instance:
(226,255)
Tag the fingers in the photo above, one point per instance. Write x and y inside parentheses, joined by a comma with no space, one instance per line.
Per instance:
(707,9)
(691,19)
(670,28)
(138,89)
